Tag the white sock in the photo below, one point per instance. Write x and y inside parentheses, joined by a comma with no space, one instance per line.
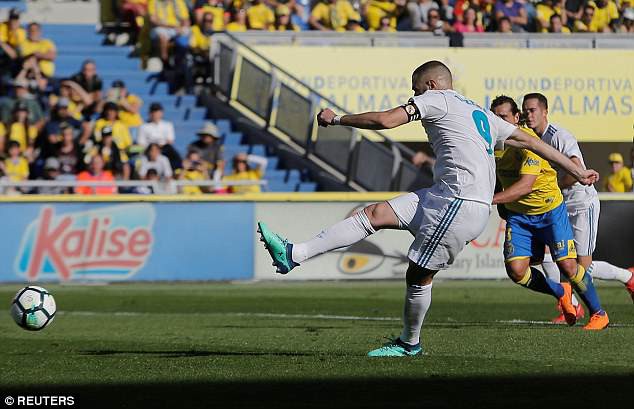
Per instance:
(550,268)
(345,233)
(606,271)
(417,302)
(553,273)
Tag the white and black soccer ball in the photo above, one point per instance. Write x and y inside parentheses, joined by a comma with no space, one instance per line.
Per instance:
(33,308)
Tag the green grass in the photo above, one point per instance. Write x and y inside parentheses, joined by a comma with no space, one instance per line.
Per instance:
(264,344)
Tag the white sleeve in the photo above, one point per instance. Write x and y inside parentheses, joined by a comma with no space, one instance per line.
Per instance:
(167,167)
(432,105)
(141,138)
(500,130)
(567,144)
(170,132)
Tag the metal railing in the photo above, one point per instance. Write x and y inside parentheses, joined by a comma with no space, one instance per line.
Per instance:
(286,107)
(418,39)
(167,187)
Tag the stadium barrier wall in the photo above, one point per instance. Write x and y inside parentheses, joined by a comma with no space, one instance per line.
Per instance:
(169,238)
(590,92)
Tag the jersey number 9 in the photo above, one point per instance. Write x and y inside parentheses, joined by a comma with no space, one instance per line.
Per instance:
(484,129)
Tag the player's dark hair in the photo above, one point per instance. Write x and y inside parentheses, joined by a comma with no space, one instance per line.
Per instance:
(543,101)
(504,99)
(428,66)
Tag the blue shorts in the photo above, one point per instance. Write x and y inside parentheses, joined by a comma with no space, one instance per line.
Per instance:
(527,235)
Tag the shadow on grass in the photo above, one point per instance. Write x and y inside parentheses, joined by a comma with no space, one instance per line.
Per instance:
(397,392)
(189,353)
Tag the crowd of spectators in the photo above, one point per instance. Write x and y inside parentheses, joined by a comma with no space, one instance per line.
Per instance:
(79,129)
(183,21)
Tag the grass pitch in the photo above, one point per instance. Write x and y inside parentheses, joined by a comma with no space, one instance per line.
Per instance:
(296,345)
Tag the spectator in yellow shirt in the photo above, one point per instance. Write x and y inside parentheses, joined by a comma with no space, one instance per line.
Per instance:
(129,104)
(242,171)
(21,131)
(377,10)
(16,167)
(216,8)
(587,23)
(545,10)
(238,21)
(40,49)
(120,132)
(620,180)
(283,19)
(260,16)
(12,36)
(328,15)
(200,40)
(194,169)
(606,15)
(170,21)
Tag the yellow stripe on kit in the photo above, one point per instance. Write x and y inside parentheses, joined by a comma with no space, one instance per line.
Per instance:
(578,278)
(526,279)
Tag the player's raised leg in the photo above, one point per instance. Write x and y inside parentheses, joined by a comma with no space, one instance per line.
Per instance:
(287,255)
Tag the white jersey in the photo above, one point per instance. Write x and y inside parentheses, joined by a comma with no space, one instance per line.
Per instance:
(578,196)
(462,136)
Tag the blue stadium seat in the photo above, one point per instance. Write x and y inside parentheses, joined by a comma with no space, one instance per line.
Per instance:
(307,187)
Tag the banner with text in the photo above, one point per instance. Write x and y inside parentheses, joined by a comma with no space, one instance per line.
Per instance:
(126,241)
(590,92)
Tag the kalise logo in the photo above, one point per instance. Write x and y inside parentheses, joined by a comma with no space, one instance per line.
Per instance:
(107,243)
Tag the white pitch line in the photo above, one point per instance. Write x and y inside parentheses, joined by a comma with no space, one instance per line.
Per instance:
(517,322)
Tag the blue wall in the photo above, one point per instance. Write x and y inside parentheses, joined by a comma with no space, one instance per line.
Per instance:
(126,241)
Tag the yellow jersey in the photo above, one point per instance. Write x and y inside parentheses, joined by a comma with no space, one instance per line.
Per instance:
(603,17)
(254,175)
(24,135)
(17,170)
(192,175)
(335,16)
(131,119)
(377,9)
(42,46)
(169,12)
(219,16)
(260,17)
(235,26)
(14,38)
(199,41)
(620,181)
(512,163)
(120,133)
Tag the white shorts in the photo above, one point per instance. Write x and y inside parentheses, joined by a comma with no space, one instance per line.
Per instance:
(441,225)
(585,224)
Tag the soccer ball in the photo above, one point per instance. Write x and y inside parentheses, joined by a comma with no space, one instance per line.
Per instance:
(33,308)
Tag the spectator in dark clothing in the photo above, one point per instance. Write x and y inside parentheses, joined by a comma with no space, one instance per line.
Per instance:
(210,149)
(90,82)
(61,116)
(51,172)
(69,153)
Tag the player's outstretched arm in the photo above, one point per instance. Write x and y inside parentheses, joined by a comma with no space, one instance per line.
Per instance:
(367,120)
(521,139)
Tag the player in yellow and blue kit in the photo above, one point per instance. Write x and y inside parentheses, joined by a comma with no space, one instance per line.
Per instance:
(536,216)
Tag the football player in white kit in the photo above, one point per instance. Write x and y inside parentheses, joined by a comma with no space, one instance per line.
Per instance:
(442,218)
(582,201)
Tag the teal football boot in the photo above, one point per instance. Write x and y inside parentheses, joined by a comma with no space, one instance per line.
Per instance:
(279,249)
(396,347)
